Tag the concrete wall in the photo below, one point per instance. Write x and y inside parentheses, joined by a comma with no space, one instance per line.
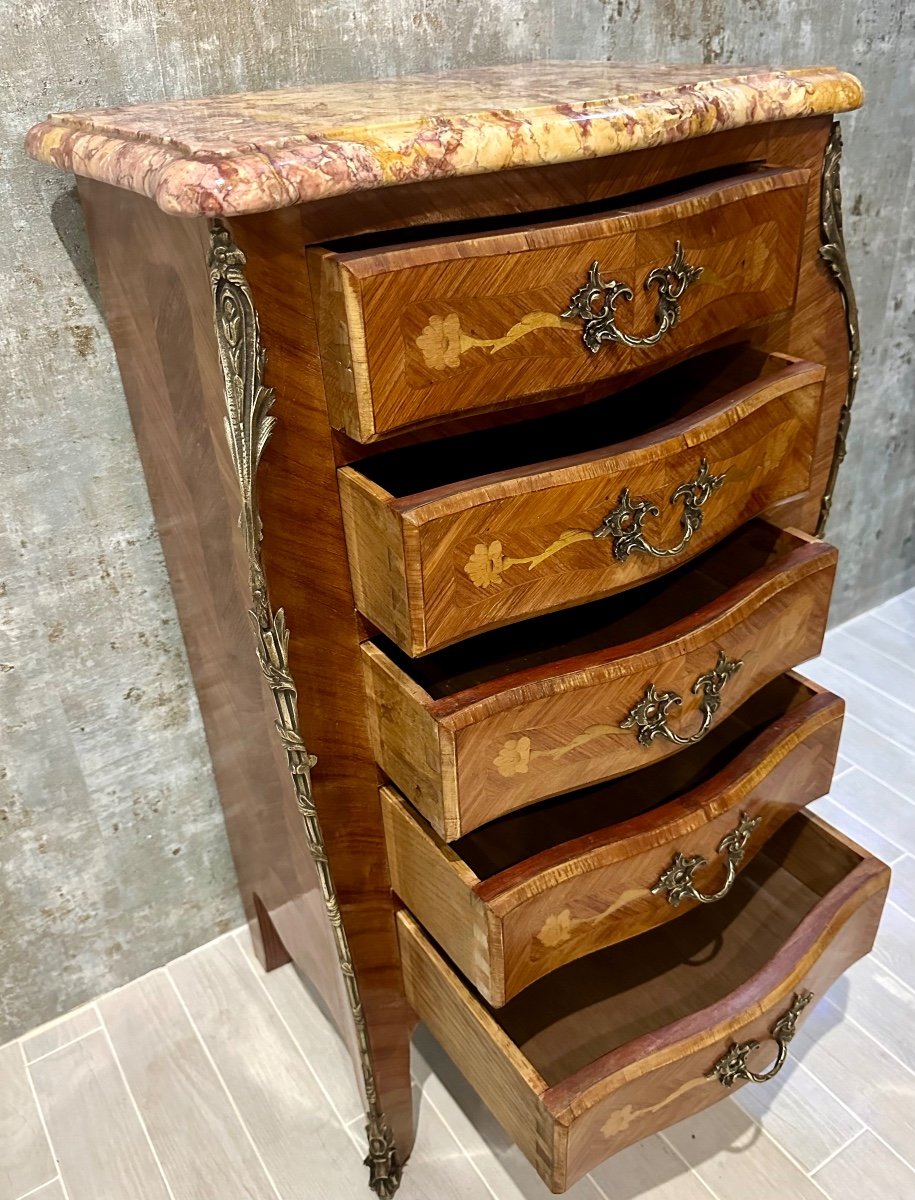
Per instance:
(111,839)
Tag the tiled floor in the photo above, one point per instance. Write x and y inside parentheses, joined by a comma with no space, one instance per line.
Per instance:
(212,1081)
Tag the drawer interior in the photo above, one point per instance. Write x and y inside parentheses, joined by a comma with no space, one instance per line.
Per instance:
(476,227)
(626,617)
(604,424)
(593,1006)
(511,839)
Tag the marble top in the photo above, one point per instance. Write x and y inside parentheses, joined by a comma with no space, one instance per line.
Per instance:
(255,151)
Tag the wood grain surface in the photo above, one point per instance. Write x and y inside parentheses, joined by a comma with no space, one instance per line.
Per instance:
(433,567)
(152,271)
(615,1046)
(428,328)
(523,896)
(522,727)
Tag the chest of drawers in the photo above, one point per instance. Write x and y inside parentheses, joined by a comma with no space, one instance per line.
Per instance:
(501,412)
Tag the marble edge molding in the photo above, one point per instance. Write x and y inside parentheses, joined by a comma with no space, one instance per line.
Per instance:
(258,178)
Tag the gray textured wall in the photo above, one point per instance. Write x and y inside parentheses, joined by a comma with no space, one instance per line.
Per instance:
(113,852)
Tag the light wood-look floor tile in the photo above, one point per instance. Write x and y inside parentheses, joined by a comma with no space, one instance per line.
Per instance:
(889,675)
(881,1004)
(438,1166)
(505,1169)
(880,806)
(736,1159)
(291,1123)
(877,1088)
(50,1191)
(867,837)
(25,1157)
(902,885)
(868,704)
(101,1147)
(311,1028)
(883,639)
(898,612)
(866,1170)
(202,1146)
(880,757)
(650,1170)
(802,1115)
(895,945)
(51,1037)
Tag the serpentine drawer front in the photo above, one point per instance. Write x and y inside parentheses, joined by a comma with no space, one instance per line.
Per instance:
(502,413)
(516,716)
(527,894)
(443,326)
(615,1046)
(430,567)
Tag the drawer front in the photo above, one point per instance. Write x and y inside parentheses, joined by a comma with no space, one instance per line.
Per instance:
(472,757)
(432,569)
(566,1124)
(440,327)
(538,913)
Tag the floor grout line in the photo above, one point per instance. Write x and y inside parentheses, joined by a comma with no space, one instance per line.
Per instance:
(829,1157)
(881,734)
(690,1169)
(295,1040)
(883,783)
(886,621)
(831,662)
(33,1191)
(136,1108)
(457,1141)
(225,1087)
(867,825)
(862,641)
(44,1125)
(63,1046)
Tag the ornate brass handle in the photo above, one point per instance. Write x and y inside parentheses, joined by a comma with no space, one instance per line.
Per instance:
(649,717)
(624,523)
(733,1063)
(600,323)
(677,880)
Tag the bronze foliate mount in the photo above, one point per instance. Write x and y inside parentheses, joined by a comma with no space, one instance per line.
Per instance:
(248,425)
(677,880)
(595,302)
(832,251)
(623,524)
(732,1066)
(649,717)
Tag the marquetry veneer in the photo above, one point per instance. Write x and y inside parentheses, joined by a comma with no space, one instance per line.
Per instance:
(503,412)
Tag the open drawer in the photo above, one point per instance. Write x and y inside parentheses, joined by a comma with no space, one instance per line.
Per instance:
(466,534)
(522,896)
(436,326)
(515,716)
(636,1037)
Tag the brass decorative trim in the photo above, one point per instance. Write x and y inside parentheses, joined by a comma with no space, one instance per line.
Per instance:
(624,523)
(833,254)
(677,880)
(600,323)
(248,426)
(733,1063)
(649,717)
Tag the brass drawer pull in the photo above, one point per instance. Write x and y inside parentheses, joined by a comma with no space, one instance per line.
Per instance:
(624,523)
(649,716)
(733,1063)
(600,323)
(677,880)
